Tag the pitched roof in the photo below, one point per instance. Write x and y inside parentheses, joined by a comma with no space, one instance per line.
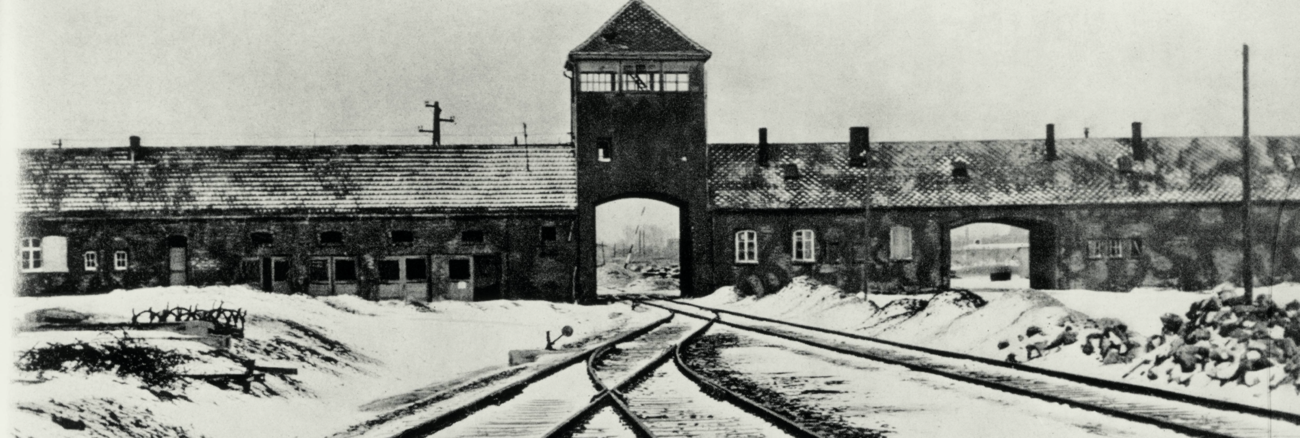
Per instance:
(1014,172)
(637,30)
(195,181)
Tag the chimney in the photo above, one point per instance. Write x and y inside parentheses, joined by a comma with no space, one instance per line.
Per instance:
(1050,144)
(859,146)
(1139,148)
(136,152)
(764,151)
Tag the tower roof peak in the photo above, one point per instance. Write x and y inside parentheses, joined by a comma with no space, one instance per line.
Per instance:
(637,31)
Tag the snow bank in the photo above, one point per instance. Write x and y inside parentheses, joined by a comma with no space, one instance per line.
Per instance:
(348,352)
(994,324)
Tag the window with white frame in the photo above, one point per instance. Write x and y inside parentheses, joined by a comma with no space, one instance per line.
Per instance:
(91,260)
(676,82)
(1135,247)
(900,243)
(120,261)
(596,82)
(746,246)
(805,246)
(31,254)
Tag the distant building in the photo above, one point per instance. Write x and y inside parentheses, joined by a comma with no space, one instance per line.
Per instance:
(486,222)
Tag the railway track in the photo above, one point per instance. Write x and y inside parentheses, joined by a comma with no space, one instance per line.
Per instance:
(638,386)
(1175,412)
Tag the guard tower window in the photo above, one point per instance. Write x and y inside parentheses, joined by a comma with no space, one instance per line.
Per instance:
(677,82)
(596,82)
(604,149)
(636,78)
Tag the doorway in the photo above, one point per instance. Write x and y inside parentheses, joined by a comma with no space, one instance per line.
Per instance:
(1002,254)
(638,248)
(177,260)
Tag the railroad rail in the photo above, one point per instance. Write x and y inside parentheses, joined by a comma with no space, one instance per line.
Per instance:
(1183,413)
(624,380)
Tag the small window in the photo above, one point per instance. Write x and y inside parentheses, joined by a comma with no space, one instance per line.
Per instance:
(677,82)
(791,171)
(458,269)
(401,236)
(261,238)
(746,246)
(1124,163)
(91,260)
(960,172)
(900,243)
(1135,247)
(345,270)
(31,254)
(1095,250)
(805,246)
(280,270)
(471,236)
(549,234)
(1116,248)
(390,270)
(604,149)
(596,82)
(417,269)
(331,238)
(120,261)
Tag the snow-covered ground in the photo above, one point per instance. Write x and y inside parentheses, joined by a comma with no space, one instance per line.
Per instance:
(613,280)
(955,322)
(349,353)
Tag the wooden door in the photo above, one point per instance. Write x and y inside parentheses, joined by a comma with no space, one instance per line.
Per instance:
(487,277)
(459,279)
(176,263)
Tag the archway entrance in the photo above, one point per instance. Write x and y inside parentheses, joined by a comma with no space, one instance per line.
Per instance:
(638,248)
(1002,254)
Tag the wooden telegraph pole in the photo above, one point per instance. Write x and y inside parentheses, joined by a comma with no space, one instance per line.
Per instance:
(1248,253)
(437,123)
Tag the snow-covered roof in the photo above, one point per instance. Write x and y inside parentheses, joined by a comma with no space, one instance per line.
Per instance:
(195,181)
(1003,172)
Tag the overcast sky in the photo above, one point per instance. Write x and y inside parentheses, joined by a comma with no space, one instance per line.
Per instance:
(330,72)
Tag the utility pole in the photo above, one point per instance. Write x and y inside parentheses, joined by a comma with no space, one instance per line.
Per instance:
(58,143)
(1248,253)
(437,123)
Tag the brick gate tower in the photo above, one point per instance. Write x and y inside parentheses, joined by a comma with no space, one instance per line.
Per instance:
(637,97)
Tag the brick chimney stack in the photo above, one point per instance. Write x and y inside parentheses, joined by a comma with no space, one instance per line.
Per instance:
(135,148)
(1139,148)
(859,146)
(1050,143)
(764,150)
